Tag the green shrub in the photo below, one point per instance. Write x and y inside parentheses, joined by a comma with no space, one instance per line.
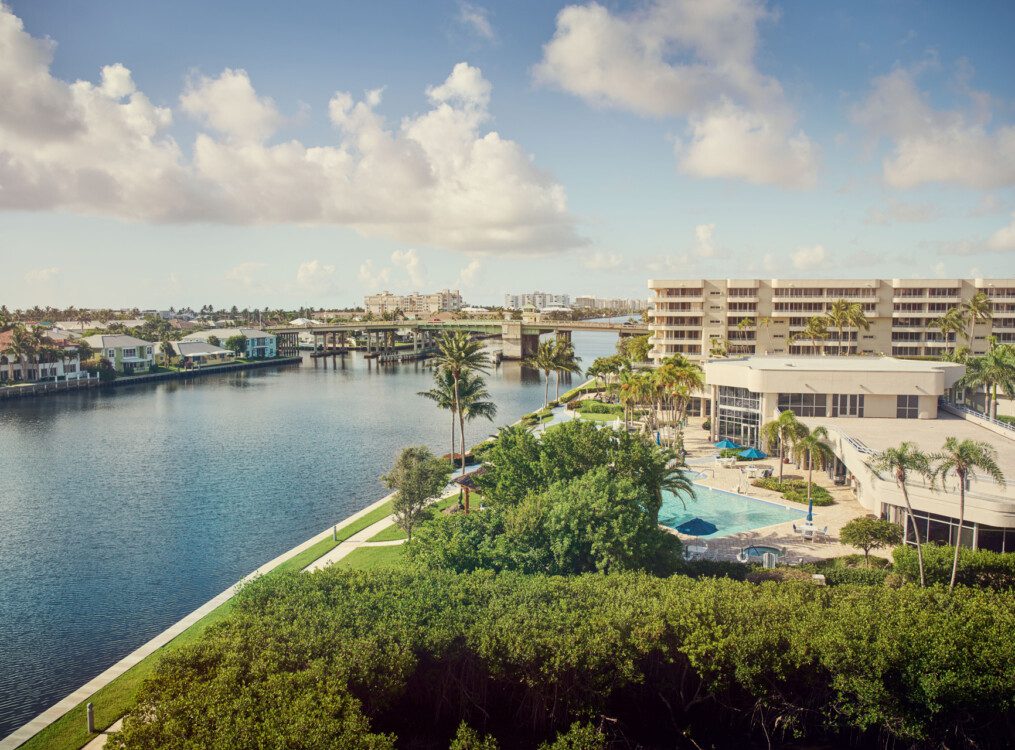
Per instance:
(733,453)
(795,490)
(590,406)
(983,568)
(342,658)
(855,576)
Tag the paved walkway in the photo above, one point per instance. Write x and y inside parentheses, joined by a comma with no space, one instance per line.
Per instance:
(357,540)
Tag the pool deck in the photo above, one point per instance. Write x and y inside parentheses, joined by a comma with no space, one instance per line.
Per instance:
(846,507)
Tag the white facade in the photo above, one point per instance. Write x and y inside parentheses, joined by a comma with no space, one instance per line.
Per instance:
(415,304)
(538,300)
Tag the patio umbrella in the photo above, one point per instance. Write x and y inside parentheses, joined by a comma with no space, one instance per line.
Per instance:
(753,454)
(697,527)
(727,443)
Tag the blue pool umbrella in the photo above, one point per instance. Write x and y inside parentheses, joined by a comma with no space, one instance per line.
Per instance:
(697,527)
(727,443)
(753,454)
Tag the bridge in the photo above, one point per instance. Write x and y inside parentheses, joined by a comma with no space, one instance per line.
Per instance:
(520,338)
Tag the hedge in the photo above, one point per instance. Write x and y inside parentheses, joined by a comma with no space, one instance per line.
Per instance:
(795,490)
(995,570)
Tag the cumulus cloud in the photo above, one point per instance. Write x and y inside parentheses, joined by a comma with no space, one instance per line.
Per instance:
(467,276)
(808,258)
(315,276)
(440,177)
(1004,238)
(602,261)
(476,19)
(692,60)
(40,275)
(371,277)
(245,275)
(704,244)
(931,145)
(410,262)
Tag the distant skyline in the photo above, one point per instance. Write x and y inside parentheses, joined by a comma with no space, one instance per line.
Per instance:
(156,154)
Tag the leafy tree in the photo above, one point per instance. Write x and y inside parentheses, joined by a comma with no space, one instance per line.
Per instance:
(418,477)
(237,344)
(468,738)
(962,458)
(214,340)
(900,462)
(869,533)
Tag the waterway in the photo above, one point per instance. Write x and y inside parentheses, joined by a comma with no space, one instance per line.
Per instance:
(124,509)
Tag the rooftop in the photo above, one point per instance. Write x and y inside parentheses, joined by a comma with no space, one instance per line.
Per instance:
(836,364)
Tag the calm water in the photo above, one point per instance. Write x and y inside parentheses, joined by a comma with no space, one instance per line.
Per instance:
(122,511)
(730,513)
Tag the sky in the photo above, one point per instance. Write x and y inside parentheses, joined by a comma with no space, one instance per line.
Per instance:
(304,154)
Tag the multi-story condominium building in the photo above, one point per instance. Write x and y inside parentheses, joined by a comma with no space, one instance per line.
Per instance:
(127,354)
(588,302)
(538,300)
(415,304)
(769,316)
(260,345)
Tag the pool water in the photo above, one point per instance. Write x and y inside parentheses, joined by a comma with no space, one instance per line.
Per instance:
(728,512)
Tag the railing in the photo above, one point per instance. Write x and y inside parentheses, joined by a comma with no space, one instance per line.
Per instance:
(962,411)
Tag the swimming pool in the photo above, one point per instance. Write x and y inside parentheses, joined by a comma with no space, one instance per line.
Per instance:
(728,512)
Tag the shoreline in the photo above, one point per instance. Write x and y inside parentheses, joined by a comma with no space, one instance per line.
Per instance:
(48,389)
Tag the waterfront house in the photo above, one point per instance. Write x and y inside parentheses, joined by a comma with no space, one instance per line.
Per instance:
(63,363)
(260,345)
(201,353)
(127,354)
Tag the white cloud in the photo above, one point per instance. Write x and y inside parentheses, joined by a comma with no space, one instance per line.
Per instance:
(317,277)
(476,19)
(602,261)
(807,258)
(409,261)
(246,274)
(687,59)
(703,240)
(437,178)
(230,105)
(467,276)
(1004,238)
(930,145)
(373,278)
(41,275)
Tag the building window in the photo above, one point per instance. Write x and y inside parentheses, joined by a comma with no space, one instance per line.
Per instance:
(739,415)
(847,405)
(907,407)
(804,404)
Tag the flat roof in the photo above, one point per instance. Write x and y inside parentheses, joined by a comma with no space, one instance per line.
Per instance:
(834,363)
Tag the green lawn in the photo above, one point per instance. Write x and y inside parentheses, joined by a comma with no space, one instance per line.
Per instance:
(373,558)
(393,532)
(116,698)
(600,417)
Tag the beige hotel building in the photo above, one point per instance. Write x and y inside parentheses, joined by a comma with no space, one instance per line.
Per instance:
(761,316)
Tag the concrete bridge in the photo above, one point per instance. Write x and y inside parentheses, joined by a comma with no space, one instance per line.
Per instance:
(520,338)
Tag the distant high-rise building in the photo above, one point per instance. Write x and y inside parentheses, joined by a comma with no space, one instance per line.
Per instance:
(414,304)
(538,300)
(588,302)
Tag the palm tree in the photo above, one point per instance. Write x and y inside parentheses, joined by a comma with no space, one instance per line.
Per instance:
(457,353)
(18,350)
(664,472)
(962,458)
(473,402)
(857,318)
(952,322)
(564,361)
(815,331)
(993,370)
(167,351)
(838,316)
(784,431)
(544,359)
(810,448)
(443,394)
(900,462)
(978,309)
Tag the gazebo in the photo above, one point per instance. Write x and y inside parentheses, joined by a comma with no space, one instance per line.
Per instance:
(467,482)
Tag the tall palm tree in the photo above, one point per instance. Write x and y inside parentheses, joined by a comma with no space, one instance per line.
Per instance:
(815,331)
(443,394)
(992,371)
(838,316)
(565,361)
(783,432)
(18,350)
(952,322)
(544,359)
(857,318)
(457,352)
(962,458)
(902,461)
(812,449)
(978,309)
(473,402)
(167,351)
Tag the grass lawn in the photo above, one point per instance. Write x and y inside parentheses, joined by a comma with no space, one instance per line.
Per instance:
(374,558)
(600,417)
(116,698)
(393,532)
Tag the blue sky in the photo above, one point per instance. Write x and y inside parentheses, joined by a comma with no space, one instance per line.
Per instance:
(258,154)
